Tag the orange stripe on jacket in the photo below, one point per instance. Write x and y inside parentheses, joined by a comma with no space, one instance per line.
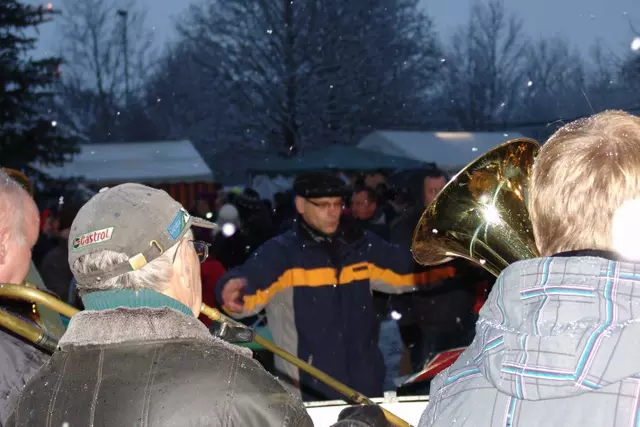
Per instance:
(326,276)
(424,278)
(290,278)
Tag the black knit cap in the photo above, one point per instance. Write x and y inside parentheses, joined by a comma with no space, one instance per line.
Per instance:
(319,184)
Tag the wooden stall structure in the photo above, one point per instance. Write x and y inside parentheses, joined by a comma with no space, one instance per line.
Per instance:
(174,166)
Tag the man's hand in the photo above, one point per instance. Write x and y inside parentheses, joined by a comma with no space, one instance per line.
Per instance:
(232,294)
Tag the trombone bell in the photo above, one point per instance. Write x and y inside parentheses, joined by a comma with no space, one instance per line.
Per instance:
(481,214)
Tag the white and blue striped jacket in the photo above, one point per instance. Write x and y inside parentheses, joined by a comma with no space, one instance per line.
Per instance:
(557,344)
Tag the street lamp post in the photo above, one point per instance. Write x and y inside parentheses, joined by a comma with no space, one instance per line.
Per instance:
(125,46)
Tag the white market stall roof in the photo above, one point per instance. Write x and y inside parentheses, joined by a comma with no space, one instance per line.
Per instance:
(145,162)
(446,149)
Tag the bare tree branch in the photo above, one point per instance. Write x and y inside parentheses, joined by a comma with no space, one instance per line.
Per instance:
(484,68)
(93,75)
(292,75)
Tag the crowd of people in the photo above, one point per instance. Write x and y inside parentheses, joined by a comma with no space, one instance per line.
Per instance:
(413,316)
(553,343)
(411,326)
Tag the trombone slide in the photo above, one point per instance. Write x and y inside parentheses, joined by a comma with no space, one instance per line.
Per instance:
(38,337)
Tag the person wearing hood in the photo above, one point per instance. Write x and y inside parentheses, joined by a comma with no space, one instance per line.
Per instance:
(557,340)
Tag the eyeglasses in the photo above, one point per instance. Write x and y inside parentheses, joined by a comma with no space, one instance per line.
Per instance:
(325,206)
(201,248)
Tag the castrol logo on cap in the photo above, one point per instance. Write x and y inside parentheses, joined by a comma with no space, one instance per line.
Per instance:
(93,237)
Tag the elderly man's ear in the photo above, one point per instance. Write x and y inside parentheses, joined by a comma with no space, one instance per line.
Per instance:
(182,266)
(4,245)
(185,283)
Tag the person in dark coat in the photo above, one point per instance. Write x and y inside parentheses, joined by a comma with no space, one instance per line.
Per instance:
(440,317)
(365,208)
(47,238)
(54,267)
(19,226)
(284,211)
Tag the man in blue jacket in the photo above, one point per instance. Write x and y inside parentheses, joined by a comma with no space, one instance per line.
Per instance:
(315,282)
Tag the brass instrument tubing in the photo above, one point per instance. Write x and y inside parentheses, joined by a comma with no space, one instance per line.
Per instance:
(38,337)
(351,394)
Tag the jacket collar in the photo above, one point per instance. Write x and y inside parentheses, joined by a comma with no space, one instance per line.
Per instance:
(136,325)
(612,256)
(349,232)
(105,300)
(308,233)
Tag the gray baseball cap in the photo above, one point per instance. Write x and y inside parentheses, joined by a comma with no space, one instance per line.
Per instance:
(133,219)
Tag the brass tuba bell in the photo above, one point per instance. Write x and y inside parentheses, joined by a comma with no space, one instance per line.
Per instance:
(481,214)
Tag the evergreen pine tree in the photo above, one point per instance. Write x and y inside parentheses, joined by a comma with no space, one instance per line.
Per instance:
(28,130)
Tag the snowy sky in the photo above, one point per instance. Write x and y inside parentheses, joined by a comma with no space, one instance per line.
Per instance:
(582,22)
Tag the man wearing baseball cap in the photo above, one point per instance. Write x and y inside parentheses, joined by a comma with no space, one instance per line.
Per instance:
(138,355)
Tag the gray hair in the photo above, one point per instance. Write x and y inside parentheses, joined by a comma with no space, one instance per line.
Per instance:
(12,204)
(154,276)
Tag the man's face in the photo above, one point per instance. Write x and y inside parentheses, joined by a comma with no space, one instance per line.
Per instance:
(321,213)
(15,249)
(362,207)
(431,188)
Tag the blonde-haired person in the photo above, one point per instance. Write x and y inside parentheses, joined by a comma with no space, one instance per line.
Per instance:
(584,174)
(557,341)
